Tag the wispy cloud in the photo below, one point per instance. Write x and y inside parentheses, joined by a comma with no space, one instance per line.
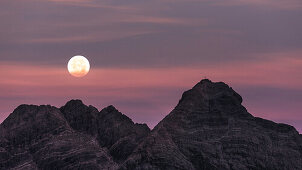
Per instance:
(105,36)
(277,4)
(94,4)
(165,20)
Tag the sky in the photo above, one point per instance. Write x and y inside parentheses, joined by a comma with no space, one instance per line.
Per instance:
(145,53)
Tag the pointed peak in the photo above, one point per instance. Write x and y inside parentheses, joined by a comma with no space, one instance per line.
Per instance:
(208,84)
(110,108)
(76,105)
(74,102)
(206,93)
(80,116)
(205,81)
(112,113)
(211,89)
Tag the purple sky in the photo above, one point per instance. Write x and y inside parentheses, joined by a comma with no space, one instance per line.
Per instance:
(145,53)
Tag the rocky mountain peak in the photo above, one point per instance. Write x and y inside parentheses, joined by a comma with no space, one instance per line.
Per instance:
(208,129)
(110,109)
(216,89)
(29,115)
(208,90)
(113,115)
(74,102)
(79,116)
(112,129)
(212,97)
(119,133)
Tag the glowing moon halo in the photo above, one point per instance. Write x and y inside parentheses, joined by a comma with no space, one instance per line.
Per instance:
(78,66)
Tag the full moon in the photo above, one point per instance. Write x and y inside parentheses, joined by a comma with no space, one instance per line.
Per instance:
(78,66)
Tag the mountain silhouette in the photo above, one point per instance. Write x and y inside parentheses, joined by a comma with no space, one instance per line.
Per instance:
(208,129)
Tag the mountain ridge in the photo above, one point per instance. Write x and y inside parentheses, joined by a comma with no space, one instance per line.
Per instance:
(208,129)
(214,131)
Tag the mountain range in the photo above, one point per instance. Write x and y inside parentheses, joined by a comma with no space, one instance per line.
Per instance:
(208,129)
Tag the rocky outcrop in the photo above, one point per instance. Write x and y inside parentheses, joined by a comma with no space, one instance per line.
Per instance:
(118,133)
(80,117)
(39,137)
(208,129)
(75,136)
(111,128)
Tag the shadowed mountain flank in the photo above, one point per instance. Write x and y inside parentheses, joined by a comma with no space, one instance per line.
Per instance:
(39,137)
(118,133)
(110,128)
(208,129)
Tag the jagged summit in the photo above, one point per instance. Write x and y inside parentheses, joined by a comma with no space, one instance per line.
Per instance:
(112,114)
(74,101)
(213,90)
(212,97)
(110,108)
(208,129)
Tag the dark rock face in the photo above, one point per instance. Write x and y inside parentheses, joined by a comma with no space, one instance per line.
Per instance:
(72,137)
(80,117)
(112,129)
(118,133)
(208,129)
(39,137)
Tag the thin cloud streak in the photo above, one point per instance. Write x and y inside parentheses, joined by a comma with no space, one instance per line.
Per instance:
(277,4)
(88,38)
(93,4)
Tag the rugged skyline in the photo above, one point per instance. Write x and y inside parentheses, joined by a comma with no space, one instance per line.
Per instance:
(144,54)
(208,129)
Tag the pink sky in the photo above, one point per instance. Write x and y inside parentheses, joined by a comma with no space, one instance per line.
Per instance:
(158,88)
(145,54)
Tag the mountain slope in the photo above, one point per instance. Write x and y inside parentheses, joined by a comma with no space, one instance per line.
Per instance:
(210,129)
(111,128)
(39,137)
(72,137)
(118,133)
